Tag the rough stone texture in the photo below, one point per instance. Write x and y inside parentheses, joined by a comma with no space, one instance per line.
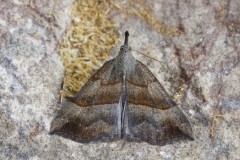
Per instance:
(205,58)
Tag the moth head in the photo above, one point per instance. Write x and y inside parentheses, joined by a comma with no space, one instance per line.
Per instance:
(125,47)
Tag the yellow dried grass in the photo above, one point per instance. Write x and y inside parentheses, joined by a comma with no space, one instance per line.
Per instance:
(87,43)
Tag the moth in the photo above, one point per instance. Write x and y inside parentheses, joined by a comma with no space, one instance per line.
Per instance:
(122,100)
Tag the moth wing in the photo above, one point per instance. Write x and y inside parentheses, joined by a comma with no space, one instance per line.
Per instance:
(151,115)
(93,114)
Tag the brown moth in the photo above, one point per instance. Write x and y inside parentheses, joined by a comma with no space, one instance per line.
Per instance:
(122,100)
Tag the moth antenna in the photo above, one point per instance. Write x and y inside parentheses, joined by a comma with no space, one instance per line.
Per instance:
(126,38)
(148,56)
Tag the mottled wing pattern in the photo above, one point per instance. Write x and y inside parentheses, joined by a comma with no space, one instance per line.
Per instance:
(151,115)
(93,114)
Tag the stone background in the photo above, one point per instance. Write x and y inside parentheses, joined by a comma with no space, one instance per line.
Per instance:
(203,60)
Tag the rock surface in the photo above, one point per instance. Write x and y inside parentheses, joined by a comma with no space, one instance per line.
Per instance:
(203,58)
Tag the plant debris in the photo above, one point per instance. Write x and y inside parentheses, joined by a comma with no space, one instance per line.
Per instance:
(87,43)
